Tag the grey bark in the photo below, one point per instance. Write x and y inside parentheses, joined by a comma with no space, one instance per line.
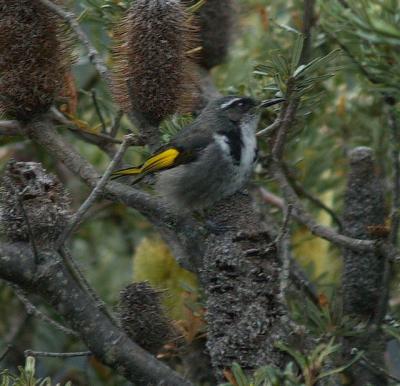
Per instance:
(53,282)
(244,311)
(363,275)
(33,212)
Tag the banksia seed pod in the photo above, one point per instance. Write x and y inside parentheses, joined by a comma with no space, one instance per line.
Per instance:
(154,75)
(142,317)
(28,195)
(35,54)
(216,20)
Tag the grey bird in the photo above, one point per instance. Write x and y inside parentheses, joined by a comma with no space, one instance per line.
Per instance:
(210,159)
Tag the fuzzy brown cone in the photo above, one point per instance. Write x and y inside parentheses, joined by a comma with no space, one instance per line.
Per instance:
(35,55)
(216,21)
(153,72)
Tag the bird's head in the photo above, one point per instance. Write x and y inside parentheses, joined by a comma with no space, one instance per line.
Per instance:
(239,109)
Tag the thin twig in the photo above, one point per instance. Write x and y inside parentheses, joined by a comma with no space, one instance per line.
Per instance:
(317,229)
(83,283)
(32,310)
(5,352)
(59,117)
(308,22)
(31,353)
(395,216)
(93,54)
(301,191)
(96,192)
(377,369)
(98,111)
(271,198)
(117,122)
(282,243)
(269,130)
(285,226)
(289,115)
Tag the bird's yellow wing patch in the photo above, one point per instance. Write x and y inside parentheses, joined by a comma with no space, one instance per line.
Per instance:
(160,161)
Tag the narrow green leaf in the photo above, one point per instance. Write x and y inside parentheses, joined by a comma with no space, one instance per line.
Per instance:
(341,368)
(297,50)
(239,375)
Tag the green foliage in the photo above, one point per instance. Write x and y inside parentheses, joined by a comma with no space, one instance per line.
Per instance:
(26,376)
(265,376)
(283,74)
(308,370)
(327,320)
(313,366)
(370,32)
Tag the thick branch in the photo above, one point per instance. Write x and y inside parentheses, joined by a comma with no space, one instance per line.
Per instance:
(51,280)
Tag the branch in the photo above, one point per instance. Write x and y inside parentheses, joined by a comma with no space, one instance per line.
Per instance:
(282,243)
(53,282)
(317,229)
(96,192)
(31,353)
(269,130)
(288,114)
(395,216)
(301,191)
(308,22)
(32,310)
(182,233)
(5,352)
(59,117)
(10,128)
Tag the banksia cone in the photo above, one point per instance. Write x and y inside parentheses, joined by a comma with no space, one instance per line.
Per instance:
(153,73)
(34,57)
(142,317)
(216,20)
(28,195)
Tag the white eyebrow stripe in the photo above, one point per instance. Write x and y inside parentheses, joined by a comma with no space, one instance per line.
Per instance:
(229,103)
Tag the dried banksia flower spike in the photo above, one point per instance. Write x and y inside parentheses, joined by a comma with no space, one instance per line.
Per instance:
(153,74)
(33,204)
(216,21)
(142,316)
(35,55)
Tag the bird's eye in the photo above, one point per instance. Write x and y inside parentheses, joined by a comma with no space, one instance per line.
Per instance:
(240,104)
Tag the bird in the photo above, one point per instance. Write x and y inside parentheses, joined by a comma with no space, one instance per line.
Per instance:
(210,159)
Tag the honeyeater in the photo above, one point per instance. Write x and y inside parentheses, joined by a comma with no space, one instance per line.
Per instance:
(209,159)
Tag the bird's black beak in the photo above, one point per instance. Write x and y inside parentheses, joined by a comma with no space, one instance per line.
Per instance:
(271,102)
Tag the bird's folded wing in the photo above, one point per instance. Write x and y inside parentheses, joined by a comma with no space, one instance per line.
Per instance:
(164,159)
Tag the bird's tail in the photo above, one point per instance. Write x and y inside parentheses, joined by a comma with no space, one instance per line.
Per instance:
(126,172)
